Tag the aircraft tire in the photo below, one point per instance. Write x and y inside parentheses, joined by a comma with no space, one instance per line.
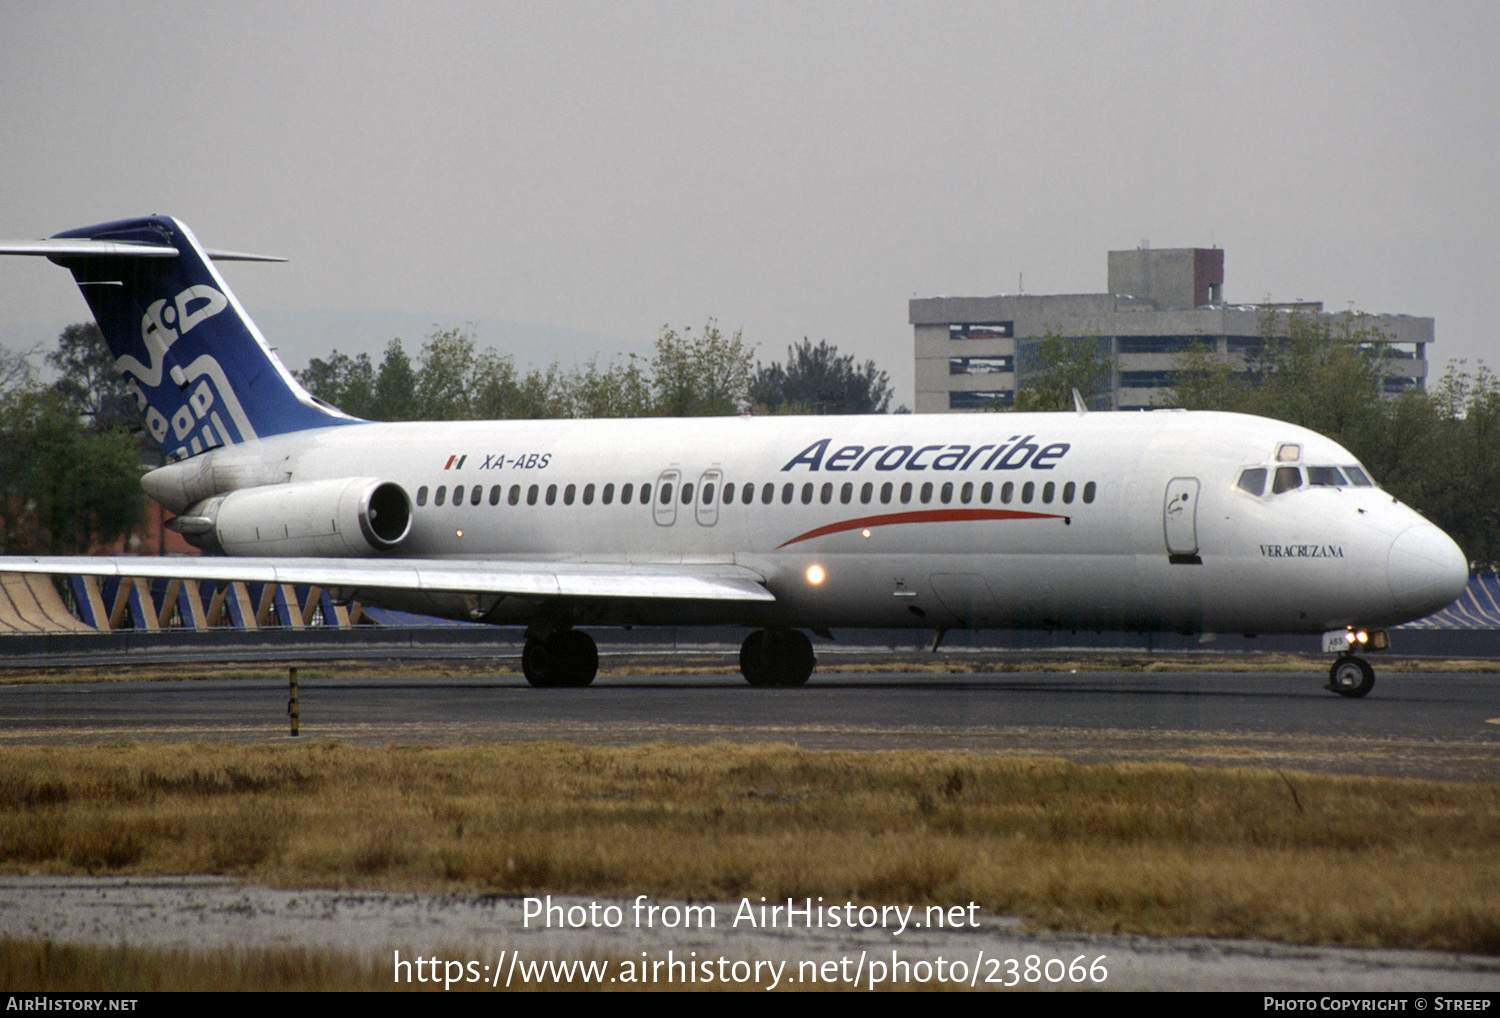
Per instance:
(777,657)
(1351,676)
(582,656)
(567,658)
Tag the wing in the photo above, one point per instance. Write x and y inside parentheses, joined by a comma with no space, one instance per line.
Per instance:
(656,581)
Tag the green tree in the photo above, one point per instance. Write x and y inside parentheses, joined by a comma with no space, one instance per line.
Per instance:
(456,381)
(64,488)
(1050,369)
(1320,371)
(817,380)
(89,381)
(700,377)
(342,381)
(395,387)
(620,390)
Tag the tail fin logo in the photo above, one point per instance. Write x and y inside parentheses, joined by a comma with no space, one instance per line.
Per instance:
(197,423)
(192,306)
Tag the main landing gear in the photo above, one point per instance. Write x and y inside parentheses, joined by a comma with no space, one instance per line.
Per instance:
(564,658)
(1351,676)
(776,657)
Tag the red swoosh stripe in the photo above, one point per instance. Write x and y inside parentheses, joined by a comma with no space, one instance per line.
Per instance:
(921,516)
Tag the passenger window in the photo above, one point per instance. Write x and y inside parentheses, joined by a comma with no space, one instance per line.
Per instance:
(1253,481)
(568,493)
(767,493)
(826,495)
(1027,490)
(608,494)
(846,493)
(1287,478)
(1007,491)
(728,494)
(885,493)
(748,494)
(1068,490)
(440,495)
(515,494)
(1048,490)
(588,494)
(906,493)
(966,493)
(531,494)
(687,494)
(708,493)
(1088,493)
(626,490)
(987,492)
(551,494)
(476,495)
(495,495)
(807,493)
(926,492)
(422,495)
(947,492)
(788,490)
(666,494)
(866,492)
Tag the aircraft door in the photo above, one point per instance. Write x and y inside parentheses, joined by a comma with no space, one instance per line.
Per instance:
(664,508)
(708,497)
(1180,519)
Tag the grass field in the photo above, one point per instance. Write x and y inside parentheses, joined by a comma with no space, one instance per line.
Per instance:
(1146,848)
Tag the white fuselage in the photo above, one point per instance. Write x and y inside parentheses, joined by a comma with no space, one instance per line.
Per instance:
(1071,521)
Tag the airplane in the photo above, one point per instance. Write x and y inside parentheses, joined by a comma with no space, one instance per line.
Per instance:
(1193,522)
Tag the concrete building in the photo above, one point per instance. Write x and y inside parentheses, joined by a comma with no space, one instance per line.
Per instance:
(972,352)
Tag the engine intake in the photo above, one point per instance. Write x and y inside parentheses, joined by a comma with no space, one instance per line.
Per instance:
(349,516)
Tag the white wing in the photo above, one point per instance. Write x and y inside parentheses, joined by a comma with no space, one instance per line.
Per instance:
(671,581)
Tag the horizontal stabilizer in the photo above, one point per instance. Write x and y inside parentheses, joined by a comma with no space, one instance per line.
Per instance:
(82,247)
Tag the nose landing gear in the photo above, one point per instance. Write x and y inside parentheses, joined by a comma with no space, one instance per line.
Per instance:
(1351,676)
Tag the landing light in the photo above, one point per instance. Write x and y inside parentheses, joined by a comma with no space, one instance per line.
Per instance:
(1358,636)
(815,575)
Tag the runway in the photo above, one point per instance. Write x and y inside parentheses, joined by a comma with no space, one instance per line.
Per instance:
(1427,725)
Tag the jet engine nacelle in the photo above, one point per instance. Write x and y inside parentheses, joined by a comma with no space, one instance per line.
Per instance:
(349,516)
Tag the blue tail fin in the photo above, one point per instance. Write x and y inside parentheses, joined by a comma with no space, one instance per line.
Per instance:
(200,370)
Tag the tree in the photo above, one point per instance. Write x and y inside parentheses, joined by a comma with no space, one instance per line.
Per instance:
(817,380)
(1051,369)
(342,381)
(1438,451)
(458,382)
(1322,372)
(89,381)
(700,377)
(395,387)
(64,488)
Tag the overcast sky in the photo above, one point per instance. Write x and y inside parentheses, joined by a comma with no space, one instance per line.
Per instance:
(572,176)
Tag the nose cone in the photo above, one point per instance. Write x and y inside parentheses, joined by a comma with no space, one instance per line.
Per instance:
(1426,570)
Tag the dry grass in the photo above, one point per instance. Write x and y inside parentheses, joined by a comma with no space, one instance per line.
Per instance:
(1149,848)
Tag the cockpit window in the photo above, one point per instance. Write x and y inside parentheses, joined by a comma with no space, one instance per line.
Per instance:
(1359,478)
(1326,476)
(1253,481)
(1287,478)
